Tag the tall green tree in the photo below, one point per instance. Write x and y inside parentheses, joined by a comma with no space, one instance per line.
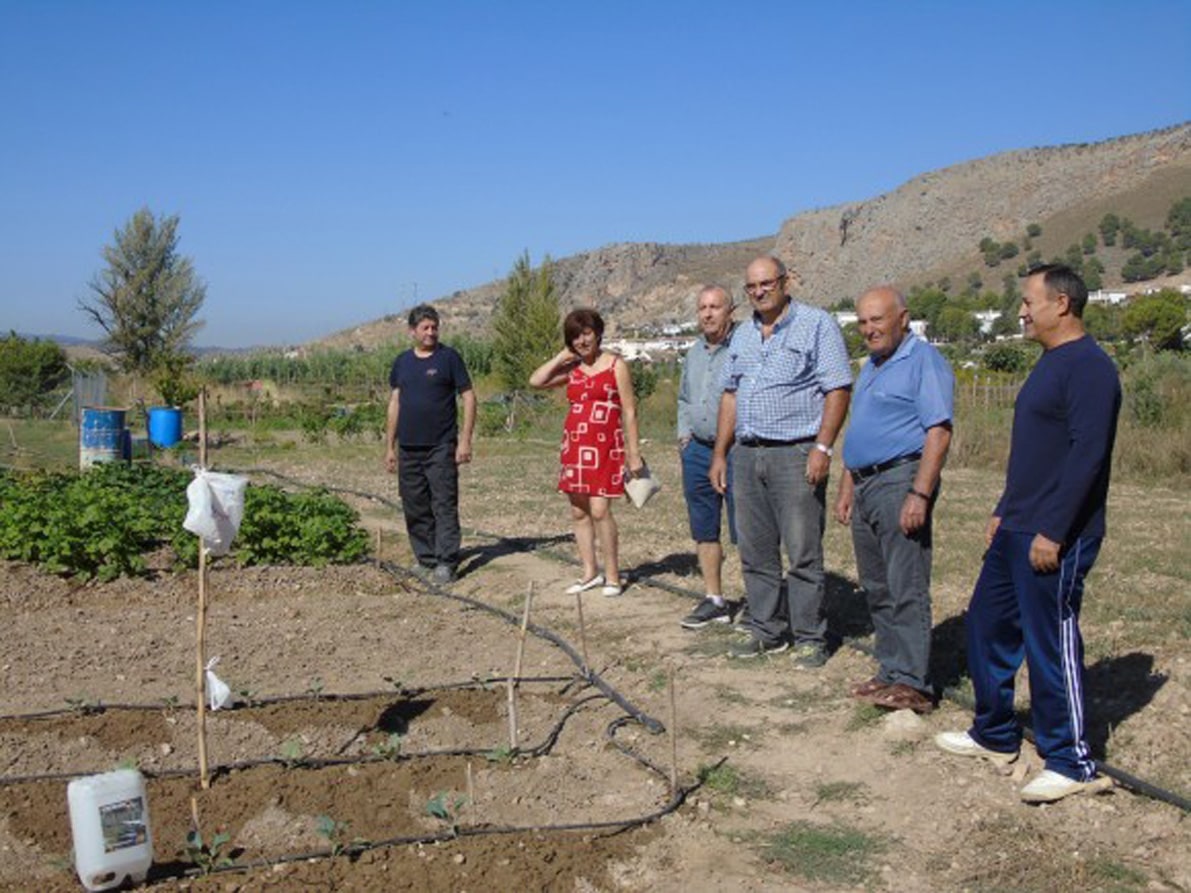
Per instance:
(1157,319)
(148,296)
(1178,223)
(29,372)
(526,323)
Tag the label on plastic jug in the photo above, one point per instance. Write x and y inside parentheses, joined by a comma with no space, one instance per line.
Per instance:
(123,824)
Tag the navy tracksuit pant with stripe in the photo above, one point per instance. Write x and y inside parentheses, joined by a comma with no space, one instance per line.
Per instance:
(1019,613)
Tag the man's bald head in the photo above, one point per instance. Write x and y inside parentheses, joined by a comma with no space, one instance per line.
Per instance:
(883,319)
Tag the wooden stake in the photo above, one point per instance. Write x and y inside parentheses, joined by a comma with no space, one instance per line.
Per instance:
(512,698)
(673,734)
(378,546)
(516,675)
(582,633)
(200,617)
(471,793)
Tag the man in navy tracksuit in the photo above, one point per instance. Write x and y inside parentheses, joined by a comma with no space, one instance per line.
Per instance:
(1042,539)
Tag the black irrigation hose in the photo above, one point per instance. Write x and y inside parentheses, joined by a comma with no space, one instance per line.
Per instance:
(1130,781)
(589,675)
(616,826)
(100,707)
(542,748)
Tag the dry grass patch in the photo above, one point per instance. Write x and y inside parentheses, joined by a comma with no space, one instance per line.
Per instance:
(1014,853)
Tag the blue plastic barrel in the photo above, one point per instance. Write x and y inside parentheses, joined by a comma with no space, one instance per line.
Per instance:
(165,426)
(101,436)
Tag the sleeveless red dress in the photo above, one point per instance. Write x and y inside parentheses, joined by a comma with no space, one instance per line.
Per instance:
(592,438)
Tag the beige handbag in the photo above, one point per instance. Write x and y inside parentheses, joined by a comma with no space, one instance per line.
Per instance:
(641,486)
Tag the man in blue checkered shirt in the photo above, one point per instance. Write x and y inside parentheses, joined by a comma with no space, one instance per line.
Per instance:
(787,382)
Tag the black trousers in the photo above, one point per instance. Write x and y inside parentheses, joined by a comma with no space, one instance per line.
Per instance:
(428,480)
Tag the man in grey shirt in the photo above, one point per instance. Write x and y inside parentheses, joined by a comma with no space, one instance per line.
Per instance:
(698,407)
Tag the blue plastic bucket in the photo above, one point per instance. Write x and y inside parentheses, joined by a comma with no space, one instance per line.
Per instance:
(102,436)
(165,426)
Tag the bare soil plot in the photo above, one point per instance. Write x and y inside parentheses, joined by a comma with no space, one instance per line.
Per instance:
(808,776)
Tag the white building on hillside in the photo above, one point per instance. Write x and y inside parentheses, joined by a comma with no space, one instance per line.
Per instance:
(1100,296)
(986,318)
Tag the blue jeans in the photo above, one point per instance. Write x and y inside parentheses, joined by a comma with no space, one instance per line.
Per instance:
(894,570)
(777,509)
(704,505)
(1019,613)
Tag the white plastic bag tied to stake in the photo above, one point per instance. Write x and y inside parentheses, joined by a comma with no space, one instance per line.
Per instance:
(218,694)
(216,508)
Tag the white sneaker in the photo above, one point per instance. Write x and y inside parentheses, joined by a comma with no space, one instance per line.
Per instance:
(1048,786)
(962,744)
(584,585)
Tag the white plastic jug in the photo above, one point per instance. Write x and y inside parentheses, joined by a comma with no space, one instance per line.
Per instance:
(109,821)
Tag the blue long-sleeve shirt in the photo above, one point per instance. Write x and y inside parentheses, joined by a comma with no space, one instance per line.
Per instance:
(1064,425)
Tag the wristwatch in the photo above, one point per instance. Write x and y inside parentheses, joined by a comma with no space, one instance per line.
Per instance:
(824,448)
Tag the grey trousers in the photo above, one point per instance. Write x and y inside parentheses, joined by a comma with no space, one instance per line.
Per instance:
(894,570)
(777,509)
(428,480)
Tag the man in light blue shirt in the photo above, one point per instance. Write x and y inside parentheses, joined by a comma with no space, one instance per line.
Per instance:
(699,391)
(894,452)
(786,383)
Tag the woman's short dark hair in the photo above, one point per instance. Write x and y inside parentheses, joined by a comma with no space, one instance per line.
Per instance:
(578,321)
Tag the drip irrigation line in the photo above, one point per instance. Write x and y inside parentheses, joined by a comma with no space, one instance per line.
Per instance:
(248,704)
(1132,782)
(1128,780)
(545,746)
(352,851)
(653,725)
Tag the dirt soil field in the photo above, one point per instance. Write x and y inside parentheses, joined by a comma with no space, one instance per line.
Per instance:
(805,790)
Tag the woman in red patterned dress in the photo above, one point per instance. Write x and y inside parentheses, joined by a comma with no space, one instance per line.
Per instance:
(599,439)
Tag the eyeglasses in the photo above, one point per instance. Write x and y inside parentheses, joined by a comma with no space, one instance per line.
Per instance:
(763,287)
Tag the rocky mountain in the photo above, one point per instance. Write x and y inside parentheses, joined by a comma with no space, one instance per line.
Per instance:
(929,227)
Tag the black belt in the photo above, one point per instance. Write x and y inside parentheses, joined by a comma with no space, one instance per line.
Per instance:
(766,442)
(710,444)
(863,474)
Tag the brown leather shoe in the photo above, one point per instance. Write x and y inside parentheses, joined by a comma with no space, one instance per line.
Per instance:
(900,697)
(869,687)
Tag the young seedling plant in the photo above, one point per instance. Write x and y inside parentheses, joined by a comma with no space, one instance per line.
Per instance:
(446,809)
(207,856)
(292,753)
(390,748)
(336,834)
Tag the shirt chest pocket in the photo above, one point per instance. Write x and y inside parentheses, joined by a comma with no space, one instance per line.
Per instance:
(789,365)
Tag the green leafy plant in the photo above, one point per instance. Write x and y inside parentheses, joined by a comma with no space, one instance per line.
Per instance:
(334,831)
(207,856)
(502,755)
(315,688)
(101,524)
(292,752)
(446,808)
(83,705)
(389,748)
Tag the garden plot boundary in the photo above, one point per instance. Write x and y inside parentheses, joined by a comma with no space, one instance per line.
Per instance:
(1122,777)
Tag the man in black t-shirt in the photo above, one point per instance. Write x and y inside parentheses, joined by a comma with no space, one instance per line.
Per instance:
(423,443)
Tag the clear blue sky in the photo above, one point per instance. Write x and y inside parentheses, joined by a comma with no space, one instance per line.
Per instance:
(329,159)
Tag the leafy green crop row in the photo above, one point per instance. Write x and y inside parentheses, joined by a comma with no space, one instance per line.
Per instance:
(102,523)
